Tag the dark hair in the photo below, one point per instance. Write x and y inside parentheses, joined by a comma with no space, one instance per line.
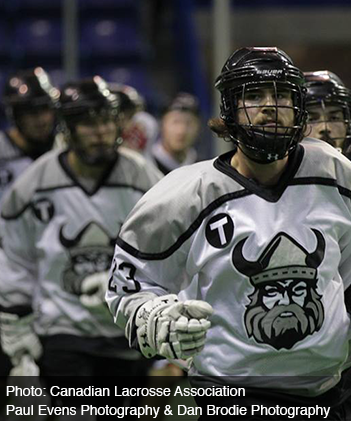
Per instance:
(183,102)
(217,125)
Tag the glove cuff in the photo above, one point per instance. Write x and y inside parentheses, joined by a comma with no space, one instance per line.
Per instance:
(146,320)
(18,337)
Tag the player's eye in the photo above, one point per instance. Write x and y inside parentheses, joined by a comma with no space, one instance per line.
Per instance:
(283,95)
(313,118)
(336,118)
(253,97)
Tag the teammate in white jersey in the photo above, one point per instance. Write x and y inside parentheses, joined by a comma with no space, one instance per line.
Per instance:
(59,223)
(30,102)
(265,233)
(179,131)
(328,103)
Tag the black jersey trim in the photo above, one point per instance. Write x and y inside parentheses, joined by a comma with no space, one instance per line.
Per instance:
(125,186)
(321,181)
(53,188)
(344,192)
(16,215)
(187,234)
(19,310)
(111,185)
(99,183)
(212,206)
(68,186)
(271,194)
(347,296)
(161,166)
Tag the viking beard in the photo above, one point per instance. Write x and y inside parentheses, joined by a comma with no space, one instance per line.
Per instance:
(284,325)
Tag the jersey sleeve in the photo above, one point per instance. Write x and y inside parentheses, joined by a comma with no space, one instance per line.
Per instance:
(153,247)
(136,277)
(345,239)
(345,268)
(18,273)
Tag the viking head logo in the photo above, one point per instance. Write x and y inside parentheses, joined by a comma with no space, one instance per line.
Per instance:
(285,306)
(90,251)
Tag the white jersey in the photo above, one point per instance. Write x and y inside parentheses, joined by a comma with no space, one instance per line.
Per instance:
(13,162)
(56,233)
(165,162)
(273,262)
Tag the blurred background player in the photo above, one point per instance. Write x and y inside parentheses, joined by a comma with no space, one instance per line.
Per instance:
(30,102)
(140,129)
(328,103)
(179,130)
(59,224)
(137,127)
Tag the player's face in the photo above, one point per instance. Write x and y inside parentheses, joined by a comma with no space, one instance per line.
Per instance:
(97,136)
(264,107)
(327,123)
(179,130)
(38,125)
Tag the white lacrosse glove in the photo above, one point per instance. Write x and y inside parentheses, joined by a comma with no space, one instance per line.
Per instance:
(25,367)
(93,290)
(172,328)
(18,337)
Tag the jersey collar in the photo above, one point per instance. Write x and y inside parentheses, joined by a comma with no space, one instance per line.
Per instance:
(63,160)
(271,193)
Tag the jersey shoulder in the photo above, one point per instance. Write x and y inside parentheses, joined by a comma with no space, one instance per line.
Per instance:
(323,161)
(8,150)
(131,156)
(43,174)
(177,205)
(135,170)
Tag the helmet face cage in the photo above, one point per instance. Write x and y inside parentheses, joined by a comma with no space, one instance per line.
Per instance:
(85,101)
(29,92)
(255,69)
(259,142)
(330,95)
(91,103)
(92,117)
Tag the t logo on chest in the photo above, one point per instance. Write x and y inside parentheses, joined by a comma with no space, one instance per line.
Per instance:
(220,230)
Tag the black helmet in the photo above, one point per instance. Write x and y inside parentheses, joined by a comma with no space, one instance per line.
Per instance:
(87,99)
(131,100)
(28,92)
(83,102)
(184,101)
(253,68)
(326,88)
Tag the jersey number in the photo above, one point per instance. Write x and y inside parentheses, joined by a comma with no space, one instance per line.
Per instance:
(130,277)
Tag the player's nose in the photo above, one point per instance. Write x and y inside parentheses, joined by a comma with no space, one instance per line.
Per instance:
(324,130)
(268,105)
